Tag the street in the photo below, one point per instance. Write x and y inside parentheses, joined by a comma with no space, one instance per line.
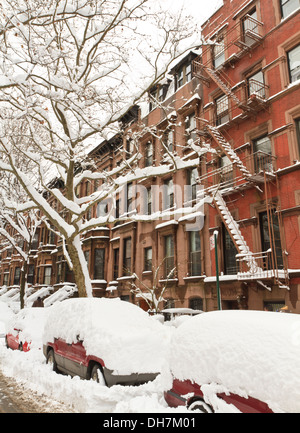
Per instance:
(15,399)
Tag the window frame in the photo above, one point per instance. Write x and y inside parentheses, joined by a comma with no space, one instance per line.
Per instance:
(147,259)
(169,259)
(127,259)
(168,194)
(99,267)
(289,64)
(223,116)
(282,8)
(46,277)
(195,268)
(218,52)
(149,151)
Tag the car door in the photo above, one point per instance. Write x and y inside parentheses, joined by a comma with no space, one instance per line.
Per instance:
(74,358)
(78,359)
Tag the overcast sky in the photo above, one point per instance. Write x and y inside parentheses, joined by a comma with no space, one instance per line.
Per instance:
(202,9)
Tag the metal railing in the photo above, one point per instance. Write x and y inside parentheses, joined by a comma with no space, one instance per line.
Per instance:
(235,42)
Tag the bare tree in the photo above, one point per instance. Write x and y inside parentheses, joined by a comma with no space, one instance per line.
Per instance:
(152,294)
(70,69)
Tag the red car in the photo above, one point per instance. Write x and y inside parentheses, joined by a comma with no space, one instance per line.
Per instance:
(108,340)
(25,329)
(186,393)
(236,361)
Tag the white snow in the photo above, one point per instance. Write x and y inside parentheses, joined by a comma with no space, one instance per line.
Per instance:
(250,353)
(120,333)
(30,322)
(247,352)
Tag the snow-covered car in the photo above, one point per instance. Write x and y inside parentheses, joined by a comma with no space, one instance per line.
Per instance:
(236,361)
(25,329)
(108,340)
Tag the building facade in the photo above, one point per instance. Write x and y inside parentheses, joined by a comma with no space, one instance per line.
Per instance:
(237,99)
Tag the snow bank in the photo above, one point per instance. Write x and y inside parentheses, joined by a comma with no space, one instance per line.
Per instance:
(250,353)
(6,314)
(120,333)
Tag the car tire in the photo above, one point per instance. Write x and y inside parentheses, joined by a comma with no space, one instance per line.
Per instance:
(200,405)
(6,343)
(20,347)
(97,375)
(51,360)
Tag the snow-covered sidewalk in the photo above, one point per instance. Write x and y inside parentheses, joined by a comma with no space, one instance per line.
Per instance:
(82,396)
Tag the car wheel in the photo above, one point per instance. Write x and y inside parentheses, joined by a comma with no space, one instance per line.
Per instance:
(51,360)
(21,347)
(97,375)
(6,342)
(201,406)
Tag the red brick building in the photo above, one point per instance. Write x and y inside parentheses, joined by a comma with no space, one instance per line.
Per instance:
(238,97)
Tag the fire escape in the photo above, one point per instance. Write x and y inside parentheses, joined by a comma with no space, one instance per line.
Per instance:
(255,171)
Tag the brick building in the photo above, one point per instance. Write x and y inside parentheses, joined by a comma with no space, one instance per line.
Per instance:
(239,96)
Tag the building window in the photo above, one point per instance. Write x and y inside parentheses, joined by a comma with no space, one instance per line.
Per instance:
(226,171)
(168,199)
(256,85)
(183,75)
(168,140)
(102,209)
(116,263)
(250,27)
(129,197)
(262,150)
(219,52)
(17,276)
(196,304)
(5,277)
(87,256)
(190,127)
(148,202)
(169,256)
(179,78)
(195,253)
(222,110)
(129,148)
(192,177)
(47,275)
(294,63)
(35,241)
(99,262)
(297,122)
(30,274)
(149,154)
(288,7)
(127,256)
(273,242)
(148,259)
(230,252)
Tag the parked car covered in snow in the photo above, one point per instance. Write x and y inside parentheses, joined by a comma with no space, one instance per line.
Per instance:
(248,360)
(108,340)
(25,329)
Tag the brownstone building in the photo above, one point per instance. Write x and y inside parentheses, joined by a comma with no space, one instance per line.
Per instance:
(237,100)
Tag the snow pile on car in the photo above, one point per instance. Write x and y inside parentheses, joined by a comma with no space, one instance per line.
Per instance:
(30,322)
(250,353)
(6,314)
(120,333)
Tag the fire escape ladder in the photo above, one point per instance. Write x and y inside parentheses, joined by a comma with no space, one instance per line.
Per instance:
(230,153)
(234,232)
(223,86)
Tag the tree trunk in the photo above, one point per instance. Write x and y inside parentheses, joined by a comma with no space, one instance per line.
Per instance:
(80,269)
(23,280)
